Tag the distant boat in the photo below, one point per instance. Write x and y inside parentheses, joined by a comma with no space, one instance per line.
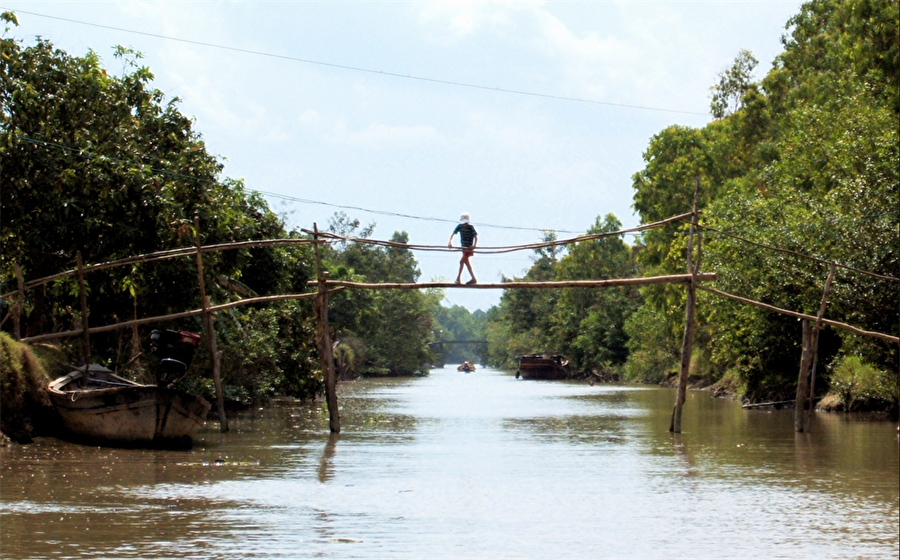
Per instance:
(543,366)
(466,367)
(98,407)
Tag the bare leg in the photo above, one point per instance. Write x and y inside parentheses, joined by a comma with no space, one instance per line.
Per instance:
(468,266)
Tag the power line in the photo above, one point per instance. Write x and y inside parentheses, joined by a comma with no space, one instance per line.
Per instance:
(175,175)
(366,70)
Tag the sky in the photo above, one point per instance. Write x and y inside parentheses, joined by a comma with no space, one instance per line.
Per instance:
(530,116)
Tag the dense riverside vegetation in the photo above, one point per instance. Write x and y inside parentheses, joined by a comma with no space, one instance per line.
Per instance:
(104,165)
(805,159)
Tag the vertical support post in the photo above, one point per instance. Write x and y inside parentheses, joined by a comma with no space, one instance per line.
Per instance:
(85,336)
(323,341)
(209,327)
(815,347)
(803,379)
(688,340)
(20,300)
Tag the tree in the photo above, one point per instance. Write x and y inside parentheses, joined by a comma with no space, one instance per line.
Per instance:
(733,84)
(104,165)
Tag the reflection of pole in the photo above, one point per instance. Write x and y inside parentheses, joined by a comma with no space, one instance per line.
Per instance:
(86,337)
(688,340)
(323,341)
(815,347)
(214,355)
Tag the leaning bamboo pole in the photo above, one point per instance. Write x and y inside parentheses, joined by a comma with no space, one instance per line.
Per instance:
(175,316)
(817,326)
(20,301)
(830,323)
(86,336)
(161,255)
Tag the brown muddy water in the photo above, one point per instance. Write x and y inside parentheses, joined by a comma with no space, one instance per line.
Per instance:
(478,465)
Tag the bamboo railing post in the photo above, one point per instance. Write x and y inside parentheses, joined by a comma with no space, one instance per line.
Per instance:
(20,300)
(688,340)
(815,347)
(323,341)
(209,327)
(803,379)
(86,336)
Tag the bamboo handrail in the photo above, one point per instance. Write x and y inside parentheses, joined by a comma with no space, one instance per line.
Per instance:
(835,324)
(499,249)
(161,255)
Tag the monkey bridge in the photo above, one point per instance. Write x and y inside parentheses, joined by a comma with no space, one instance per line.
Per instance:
(692,279)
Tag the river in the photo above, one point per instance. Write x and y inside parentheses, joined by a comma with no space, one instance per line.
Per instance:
(478,465)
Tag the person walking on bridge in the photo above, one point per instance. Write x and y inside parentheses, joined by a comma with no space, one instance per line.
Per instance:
(468,239)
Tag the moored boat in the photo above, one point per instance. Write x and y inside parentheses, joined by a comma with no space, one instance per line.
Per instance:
(543,366)
(98,407)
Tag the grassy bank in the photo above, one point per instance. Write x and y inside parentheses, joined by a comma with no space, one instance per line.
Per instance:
(25,409)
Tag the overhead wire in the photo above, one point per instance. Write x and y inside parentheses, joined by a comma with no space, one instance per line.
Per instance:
(366,70)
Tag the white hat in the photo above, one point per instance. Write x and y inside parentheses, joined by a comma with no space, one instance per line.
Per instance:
(464,218)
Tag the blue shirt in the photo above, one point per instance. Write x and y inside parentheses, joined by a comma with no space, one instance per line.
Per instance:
(467,234)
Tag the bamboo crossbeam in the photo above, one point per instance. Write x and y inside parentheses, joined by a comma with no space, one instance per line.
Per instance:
(835,324)
(675,278)
(173,316)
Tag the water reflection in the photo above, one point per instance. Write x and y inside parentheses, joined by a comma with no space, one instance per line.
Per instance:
(459,466)
(326,465)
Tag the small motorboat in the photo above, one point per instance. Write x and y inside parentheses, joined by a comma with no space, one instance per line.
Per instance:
(466,367)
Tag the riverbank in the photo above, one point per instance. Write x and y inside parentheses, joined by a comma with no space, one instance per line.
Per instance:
(25,371)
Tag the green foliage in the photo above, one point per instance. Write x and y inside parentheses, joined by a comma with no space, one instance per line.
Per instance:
(458,323)
(653,352)
(104,165)
(733,84)
(23,391)
(807,161)
(858,383)
(391,329)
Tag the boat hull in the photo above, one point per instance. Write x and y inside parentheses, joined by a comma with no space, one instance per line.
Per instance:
(126,414)
(543,367)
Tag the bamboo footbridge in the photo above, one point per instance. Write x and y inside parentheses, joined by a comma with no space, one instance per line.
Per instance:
(325,287)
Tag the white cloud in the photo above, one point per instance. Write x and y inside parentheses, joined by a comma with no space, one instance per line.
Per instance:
(377,135)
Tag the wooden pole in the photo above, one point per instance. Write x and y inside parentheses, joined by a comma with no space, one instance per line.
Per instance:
(323,341)
(803,379)
(209,327)
(20,300)
(86,336)
(815,348)
(688,340)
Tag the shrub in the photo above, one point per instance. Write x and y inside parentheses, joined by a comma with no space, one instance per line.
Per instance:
(860,385)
